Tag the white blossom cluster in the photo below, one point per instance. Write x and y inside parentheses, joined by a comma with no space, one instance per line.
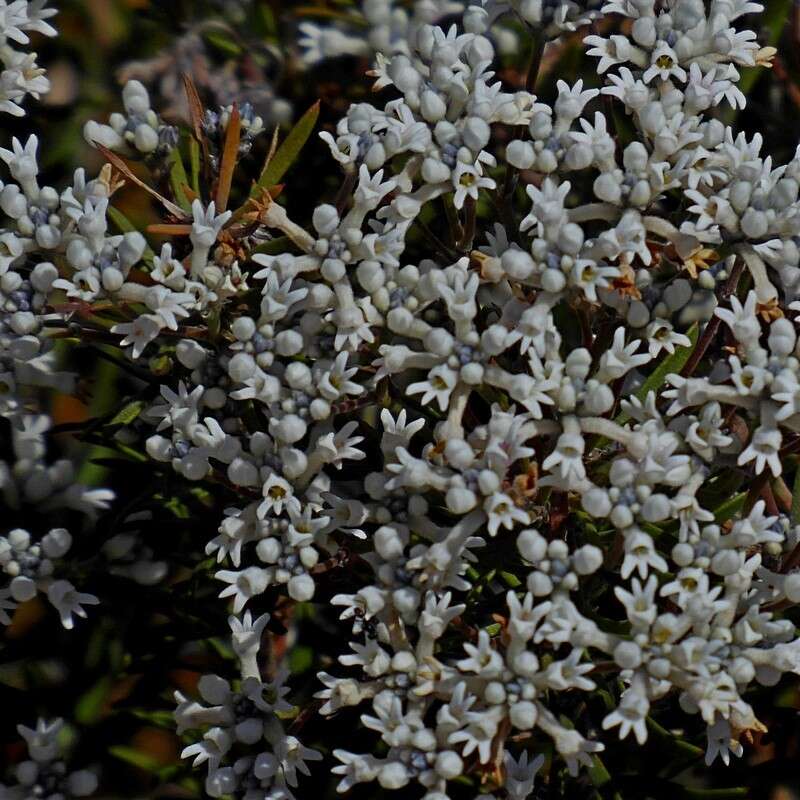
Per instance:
(374,27)
(244,716)
(21,76)
(248,72)
(427,406)
(44,774)
(383,28)
(38,223)
(139,131)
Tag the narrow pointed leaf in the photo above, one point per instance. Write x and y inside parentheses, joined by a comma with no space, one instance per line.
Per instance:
(126,226)
(120,164)
(178,179)
(194,165)
(230,151)
(796,498)
(290,148)
(197,114)
(673,363)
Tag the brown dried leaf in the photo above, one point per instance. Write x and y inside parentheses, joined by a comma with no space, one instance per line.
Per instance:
(169,230)
(230,151)
(195,107)
(196,114)
(120,165)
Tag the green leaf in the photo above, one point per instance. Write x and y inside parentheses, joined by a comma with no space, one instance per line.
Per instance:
(194,164)
(265,20)
(222,43)
(280,244)
(732,507)
(161,719)
(177,507)
(301,659)
(90,705)
(671,364)
(128,413)
(126,226)
(598,773)
(220,647)
(671,741)
(717,794)
(136,757)
(796,498)
(288,151)
(510,579)
(105,380)
(178,179)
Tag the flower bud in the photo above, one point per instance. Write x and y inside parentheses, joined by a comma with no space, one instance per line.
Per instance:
(523,715)
(791,587)
(135,98)
(56,543)
(476,133)
(301,588)
(587,559)
(754,224)
(448,764)
(520,154)
(145,139)
(532,545)
(393,775)
(628,655)
(517,264)
(596,503)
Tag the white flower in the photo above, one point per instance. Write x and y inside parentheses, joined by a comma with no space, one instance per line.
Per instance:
(483,659)
(664,65)
(42,741)
(764,449)
(721,743)
(501,510)
(567,458)
(612,51)
(661,336)
(640,555)
(630,715)
(139,333)
(520,774)
(243,585)
(206,226)
(468,181)
(439,386)
(277,493)
(68,601)
(741,319)
(620,358)
(640,605)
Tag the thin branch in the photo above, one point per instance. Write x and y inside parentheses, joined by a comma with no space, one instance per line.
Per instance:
(710,332)
(539,44)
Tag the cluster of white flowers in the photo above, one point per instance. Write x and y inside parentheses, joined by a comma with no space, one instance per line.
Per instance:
(384,28)
(139,131)
(496,385)
(244,715)
(38,223)
(221,44)
(374,27)
(21,76)
(44,775)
